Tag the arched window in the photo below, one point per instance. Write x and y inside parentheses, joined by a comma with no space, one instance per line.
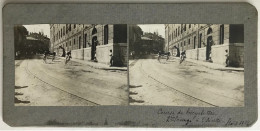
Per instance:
(94,31)
(209,31)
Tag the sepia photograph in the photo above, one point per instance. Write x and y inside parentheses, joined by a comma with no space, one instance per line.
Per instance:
(196,65)
(70,65)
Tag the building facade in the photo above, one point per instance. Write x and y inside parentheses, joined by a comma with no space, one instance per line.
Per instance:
(207,42)
(144,42)
(37,43)
(89,41)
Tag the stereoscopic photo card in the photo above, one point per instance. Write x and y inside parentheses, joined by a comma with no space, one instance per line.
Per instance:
(132,65)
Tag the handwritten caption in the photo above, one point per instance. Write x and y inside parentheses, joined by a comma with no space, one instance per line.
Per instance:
(194,116)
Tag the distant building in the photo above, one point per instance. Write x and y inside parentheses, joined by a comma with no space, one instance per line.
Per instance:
(27,44)
(87,41)
(156,42)
(207,42)
(144,43)
(37,43)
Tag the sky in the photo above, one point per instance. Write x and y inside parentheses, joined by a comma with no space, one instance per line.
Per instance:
(145,27)
(154,28)
(38,28)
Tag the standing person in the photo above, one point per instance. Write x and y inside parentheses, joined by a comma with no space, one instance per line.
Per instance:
(111,58)
(95,56)
(227,58)
(159,56)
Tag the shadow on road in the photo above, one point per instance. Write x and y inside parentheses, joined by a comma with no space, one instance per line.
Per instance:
(17,93)
(131,100)
(132,93)
(19,87)
(132,86)
(16,100)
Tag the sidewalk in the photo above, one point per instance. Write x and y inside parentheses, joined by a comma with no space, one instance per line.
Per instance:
(97,65)
(213,65)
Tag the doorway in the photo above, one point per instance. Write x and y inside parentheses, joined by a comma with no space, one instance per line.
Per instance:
(209,44)
(93,47)
(94,43)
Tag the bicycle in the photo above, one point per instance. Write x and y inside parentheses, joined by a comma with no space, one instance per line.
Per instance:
(45,59)
(182,58)
(67,59)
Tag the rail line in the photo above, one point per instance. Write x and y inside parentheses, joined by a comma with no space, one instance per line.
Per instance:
(28,71)
(149,76)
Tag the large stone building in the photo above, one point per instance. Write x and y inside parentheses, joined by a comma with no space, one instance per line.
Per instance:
(207,42)
(87,41)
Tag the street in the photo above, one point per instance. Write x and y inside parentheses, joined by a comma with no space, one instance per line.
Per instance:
(186,84)
(74,84)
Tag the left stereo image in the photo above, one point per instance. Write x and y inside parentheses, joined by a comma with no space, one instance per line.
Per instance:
(70,65)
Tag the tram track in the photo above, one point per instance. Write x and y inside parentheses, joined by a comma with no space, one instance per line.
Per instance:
(39,79)
(149,76)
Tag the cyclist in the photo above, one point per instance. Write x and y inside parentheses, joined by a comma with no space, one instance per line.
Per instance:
(68,57)
(54,54)
(45,56)
(183,56)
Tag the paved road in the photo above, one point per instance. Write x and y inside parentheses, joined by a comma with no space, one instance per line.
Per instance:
(74,84)
(186,84)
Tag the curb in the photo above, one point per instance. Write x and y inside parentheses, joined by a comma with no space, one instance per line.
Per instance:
(215,68)
(96,67)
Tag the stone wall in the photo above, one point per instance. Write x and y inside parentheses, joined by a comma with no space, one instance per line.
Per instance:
(77,54)
(103,53)
(218,54)
(87,53)
(202,54)
(192,54)
(236,54)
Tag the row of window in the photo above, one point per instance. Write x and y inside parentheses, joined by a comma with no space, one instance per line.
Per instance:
(178,31)
(221,33)
(86,42)
(63,31)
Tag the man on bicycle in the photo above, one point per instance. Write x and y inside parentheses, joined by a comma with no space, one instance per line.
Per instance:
(183,56)
(45,56)
(68,57)
(53,55)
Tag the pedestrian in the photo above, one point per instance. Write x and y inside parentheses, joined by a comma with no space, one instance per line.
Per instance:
(133,54)
(227,58)
(111,58)
(95,56)
(168,55)
(159,55)
(210,54)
